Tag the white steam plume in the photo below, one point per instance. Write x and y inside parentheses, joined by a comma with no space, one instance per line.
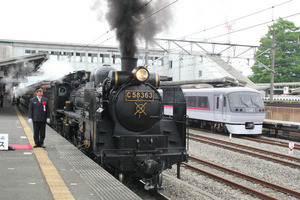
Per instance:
(50,70)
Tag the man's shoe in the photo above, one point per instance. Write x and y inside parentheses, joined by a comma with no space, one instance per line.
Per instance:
(36,146)
(42,146)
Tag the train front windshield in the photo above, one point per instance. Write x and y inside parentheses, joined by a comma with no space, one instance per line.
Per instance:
(245,99)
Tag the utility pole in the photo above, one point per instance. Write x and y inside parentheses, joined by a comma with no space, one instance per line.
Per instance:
(146,53)
(272,67)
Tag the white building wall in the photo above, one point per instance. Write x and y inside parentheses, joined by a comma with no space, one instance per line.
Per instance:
(189,67)
(5,51)
(177,65)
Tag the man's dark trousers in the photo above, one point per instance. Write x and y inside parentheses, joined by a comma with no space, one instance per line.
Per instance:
(39,129)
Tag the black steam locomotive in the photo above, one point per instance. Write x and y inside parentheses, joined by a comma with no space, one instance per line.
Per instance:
(116,117)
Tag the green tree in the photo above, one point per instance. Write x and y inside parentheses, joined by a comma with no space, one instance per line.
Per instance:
(287,54)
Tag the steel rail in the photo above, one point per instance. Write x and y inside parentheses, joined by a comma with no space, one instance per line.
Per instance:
(139,189)
(248,152)
(250,178)
(234,184)
(248,147)
(277,143)
(281,144)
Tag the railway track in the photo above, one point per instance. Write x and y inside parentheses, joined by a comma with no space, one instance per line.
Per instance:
(260,140)
(247,177)
(139,189)
(243,176)
(250,150)
(263,140)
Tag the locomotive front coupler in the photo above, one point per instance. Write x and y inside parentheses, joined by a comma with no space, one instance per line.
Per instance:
(152,170)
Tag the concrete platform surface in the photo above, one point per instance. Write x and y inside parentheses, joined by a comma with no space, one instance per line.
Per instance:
(60,171)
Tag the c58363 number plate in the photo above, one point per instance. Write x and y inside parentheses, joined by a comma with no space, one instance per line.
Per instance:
(139,95)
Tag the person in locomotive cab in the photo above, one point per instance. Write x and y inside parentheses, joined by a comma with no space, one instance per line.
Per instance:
(39,114)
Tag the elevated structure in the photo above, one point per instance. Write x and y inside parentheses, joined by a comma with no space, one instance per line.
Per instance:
(176,65)
(296,91)
(287,88)
(232,71)
(15,70)
(80,56)
(199,64)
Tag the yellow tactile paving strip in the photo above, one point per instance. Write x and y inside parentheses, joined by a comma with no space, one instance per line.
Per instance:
(57,186)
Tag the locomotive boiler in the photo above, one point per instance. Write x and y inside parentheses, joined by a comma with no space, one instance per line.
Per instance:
(117,118)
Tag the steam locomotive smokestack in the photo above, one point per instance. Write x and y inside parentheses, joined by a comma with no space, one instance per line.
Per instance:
(128,63)
(133,20)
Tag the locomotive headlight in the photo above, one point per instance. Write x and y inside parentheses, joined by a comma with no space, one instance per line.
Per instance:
(141,74)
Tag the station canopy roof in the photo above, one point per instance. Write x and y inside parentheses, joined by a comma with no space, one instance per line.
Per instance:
(18,68)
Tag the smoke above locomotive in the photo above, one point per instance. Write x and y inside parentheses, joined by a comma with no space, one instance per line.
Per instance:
(135,20)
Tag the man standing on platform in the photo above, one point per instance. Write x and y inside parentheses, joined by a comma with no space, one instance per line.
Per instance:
(39,114)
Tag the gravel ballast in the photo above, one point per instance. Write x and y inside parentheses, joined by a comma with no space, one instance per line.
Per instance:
(206,188)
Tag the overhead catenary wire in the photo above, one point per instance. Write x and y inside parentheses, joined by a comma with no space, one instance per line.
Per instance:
(214,36)
(136,22)
(106,32)
(234,20)
(145,18)
(239,18)
(253,26)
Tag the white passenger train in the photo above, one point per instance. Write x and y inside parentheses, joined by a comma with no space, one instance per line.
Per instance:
(237,110)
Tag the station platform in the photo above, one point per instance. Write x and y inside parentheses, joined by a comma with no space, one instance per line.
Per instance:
(60,171)
(282,125)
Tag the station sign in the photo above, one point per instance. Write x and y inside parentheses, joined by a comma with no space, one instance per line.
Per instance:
(3,141)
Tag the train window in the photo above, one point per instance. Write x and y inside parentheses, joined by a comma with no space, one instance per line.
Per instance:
(92,57)
(217,103)
(200,73)
(191,101)
(30,52)
(80,57)
(245,99)
(224,101)
(68,53)
(105,58)
(67,56)
(257,100)
(203,102)
(55,53)
(159,62)
(201,59)
(150,60)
